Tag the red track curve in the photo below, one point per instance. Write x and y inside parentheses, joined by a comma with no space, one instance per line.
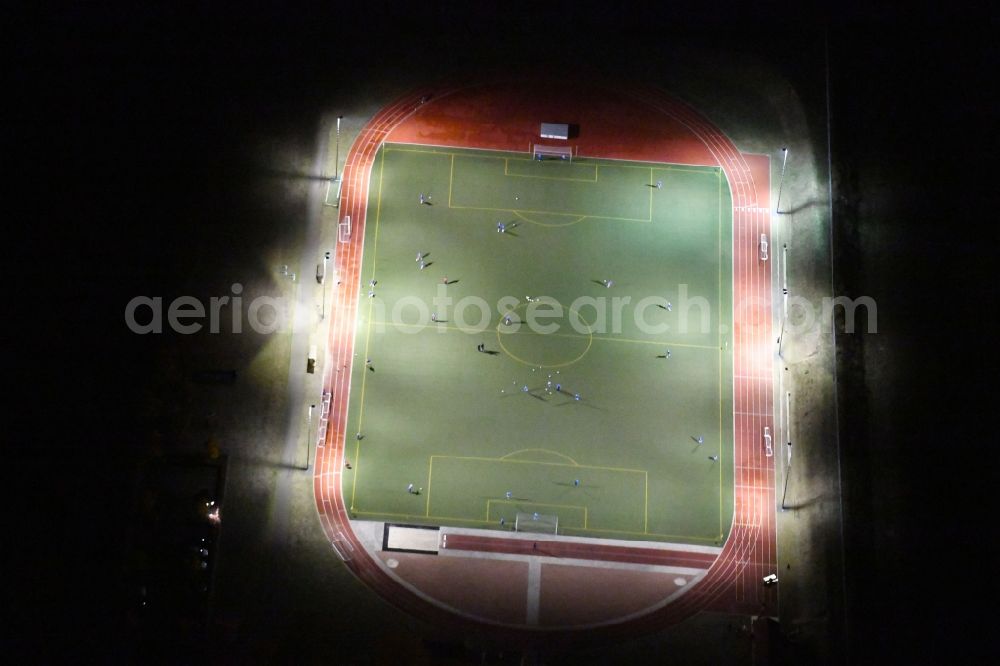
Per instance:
(733,582)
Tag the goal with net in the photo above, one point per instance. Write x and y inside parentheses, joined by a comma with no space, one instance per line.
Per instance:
(543,152)
(537,523)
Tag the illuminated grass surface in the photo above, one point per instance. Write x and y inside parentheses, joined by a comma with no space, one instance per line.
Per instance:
(436,413)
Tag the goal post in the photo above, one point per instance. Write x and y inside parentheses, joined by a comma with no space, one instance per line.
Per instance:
(536,523)
(545,152)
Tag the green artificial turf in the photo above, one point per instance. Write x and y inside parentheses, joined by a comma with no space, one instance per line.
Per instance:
(457,423)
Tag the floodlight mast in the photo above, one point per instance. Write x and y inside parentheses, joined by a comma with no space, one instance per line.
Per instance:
(322,305)
(781,179)
(336,158)
(788,473)
(788,448)
(309,436)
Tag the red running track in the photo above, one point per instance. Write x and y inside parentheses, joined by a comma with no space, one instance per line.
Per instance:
(733,582)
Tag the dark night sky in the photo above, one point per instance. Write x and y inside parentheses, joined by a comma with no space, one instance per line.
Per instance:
(117,106)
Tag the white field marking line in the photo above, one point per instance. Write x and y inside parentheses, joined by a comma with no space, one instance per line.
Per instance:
(740,535)
(354,295)
(761,481)
(378,564)
(718,337)
(647,163)
(335,336)
(745,486)
(630,566)
(339,336)
(657,545)
(761,487)
(763,544)
(368,330)
(389,117)
(358,207)
(735,533)
(711,170)
(642,613)
(349,297)
(351,294)
(750,466)
(575,562)
(638,163)
(463,150)
(756,469)
(360,176)
(747,397)
(737,361)
(771,518)
(534,591)
(583,216)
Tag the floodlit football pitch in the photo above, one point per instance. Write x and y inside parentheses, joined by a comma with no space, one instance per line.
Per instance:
(588,401)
